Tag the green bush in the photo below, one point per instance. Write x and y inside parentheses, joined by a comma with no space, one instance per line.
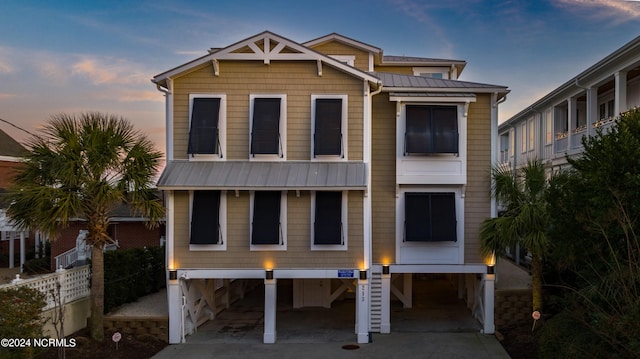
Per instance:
(131,274)
(564,336)
(20,317)
(37,266)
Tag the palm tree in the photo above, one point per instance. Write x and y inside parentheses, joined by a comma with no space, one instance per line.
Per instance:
(525,219)
(83,168)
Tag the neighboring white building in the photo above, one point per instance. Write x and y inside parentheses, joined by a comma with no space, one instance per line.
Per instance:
(553,127)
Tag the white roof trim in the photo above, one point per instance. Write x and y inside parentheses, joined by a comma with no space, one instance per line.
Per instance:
(455,99)
(351,42)
(270,53)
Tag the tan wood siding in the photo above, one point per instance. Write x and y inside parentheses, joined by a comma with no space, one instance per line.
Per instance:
(297,80)
(383,179)
(298,253)
(361,61)
(402,70)
(478,198)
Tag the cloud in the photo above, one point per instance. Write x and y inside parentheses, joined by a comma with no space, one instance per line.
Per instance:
(110,71)
(618,11)
(131,95)
(6,95)
(5,65)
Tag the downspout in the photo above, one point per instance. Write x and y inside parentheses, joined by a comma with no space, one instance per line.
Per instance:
(378,90)
(168,92)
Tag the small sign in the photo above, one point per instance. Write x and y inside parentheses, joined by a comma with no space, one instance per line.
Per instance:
(116,338)
(346,273)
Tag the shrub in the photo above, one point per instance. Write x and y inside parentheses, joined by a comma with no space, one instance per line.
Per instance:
(37,266)
(132,273)
(564,336)
(20,317)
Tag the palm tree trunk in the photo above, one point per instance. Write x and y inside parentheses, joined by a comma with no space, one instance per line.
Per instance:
(97,292)
(536,282)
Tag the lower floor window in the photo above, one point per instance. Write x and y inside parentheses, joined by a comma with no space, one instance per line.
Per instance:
(328,218)
(430,217)
(205,218)
(266,226)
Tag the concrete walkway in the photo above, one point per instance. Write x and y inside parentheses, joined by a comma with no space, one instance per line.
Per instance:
(384,346)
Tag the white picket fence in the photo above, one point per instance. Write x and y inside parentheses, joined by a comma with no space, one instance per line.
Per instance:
(74,284)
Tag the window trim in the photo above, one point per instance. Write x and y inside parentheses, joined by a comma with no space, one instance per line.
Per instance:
(283,225)
(419,71)
(431,154)
(344,156)
(222,128)
(523,137)
(548,124)
(451,194)
(345,225)
(282,128)
(222,220)
(531,138)
(347,59)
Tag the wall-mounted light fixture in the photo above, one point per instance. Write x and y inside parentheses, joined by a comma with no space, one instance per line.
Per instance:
(268,274)
(363,275)
(173,274)
(385,269)
(491,264)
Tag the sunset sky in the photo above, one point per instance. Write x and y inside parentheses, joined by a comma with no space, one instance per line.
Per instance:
(75,56)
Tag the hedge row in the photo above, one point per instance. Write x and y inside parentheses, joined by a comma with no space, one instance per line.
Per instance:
(131,274)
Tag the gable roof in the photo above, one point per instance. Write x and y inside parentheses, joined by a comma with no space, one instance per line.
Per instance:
(345,40)
(265,47)
(10,147)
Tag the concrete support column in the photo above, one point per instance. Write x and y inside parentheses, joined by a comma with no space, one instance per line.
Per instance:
(489,304)
(176,317)
(23,251)
(385,316)
(461,288)
(270,301)
(362,311)
(408,290)
(620,93)
(12,250)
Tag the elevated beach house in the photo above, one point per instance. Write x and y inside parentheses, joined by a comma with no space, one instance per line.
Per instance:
(330,167)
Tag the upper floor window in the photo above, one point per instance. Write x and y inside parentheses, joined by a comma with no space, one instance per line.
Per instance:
(532,134)
(329,217)
(268,214)
(206,126)
(433,72)
(523,137)
(430,217)
(329,125)
(347,59)
(207,229)
(431,129)
(268,122)
(548,129)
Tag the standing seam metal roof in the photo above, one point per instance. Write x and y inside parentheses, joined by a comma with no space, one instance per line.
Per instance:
(390,80)
(253,174)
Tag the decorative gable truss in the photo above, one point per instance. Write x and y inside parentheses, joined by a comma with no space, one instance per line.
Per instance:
(268,47)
